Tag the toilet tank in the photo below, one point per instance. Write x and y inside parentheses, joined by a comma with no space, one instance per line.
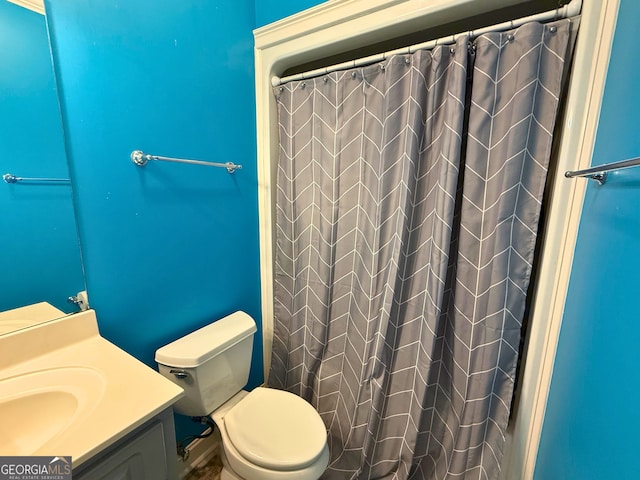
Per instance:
(211,364)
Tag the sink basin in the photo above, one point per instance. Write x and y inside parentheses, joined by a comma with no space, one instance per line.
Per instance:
(38,406)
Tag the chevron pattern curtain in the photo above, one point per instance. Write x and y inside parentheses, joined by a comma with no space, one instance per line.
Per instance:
(408,200)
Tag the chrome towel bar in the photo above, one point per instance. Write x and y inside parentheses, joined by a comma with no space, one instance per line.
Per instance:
(599,172)
(141,159)
(9,178)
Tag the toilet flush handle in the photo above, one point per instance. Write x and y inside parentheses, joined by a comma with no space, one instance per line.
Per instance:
(179,373)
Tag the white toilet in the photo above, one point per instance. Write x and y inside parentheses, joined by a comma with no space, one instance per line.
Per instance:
(266,434)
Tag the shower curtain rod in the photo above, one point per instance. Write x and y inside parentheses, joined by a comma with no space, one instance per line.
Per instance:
(569,10)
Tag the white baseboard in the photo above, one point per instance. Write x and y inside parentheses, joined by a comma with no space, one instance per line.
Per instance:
(201,450)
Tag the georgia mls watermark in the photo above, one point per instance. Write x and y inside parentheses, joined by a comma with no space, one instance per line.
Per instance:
(35,468)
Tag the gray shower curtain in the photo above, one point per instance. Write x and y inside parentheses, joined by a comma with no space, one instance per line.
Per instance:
(408,200)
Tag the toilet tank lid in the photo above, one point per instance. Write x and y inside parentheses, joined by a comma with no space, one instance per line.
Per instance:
(194,349)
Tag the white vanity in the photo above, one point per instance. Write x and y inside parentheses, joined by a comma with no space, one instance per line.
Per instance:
(66,391)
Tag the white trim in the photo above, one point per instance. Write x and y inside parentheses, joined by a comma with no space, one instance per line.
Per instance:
(34,5)
(340,25)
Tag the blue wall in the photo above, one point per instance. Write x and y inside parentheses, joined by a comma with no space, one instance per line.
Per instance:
(592,421)
(169,247)
(268,11)
(38,238)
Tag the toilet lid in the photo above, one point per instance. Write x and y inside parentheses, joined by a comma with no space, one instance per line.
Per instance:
(276,430)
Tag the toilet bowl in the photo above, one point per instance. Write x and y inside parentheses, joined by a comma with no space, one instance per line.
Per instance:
(266,434)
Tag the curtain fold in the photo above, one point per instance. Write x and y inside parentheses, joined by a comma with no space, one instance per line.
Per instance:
(408,198)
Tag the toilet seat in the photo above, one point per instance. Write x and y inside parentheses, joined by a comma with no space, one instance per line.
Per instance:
(236,467)
(276,430)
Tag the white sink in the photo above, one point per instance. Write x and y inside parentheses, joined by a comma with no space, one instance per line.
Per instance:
(36,407)
(65,390)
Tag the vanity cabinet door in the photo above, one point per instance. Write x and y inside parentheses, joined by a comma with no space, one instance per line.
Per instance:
(141,458)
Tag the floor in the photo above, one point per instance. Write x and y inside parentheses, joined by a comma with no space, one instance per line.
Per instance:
(208,471)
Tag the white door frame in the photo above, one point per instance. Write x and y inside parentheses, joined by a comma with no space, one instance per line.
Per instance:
(341,25)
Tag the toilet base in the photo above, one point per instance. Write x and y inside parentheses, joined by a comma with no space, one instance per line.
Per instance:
(227,473)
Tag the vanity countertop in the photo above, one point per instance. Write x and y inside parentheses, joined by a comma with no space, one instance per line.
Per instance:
(27,316)
(123,394)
